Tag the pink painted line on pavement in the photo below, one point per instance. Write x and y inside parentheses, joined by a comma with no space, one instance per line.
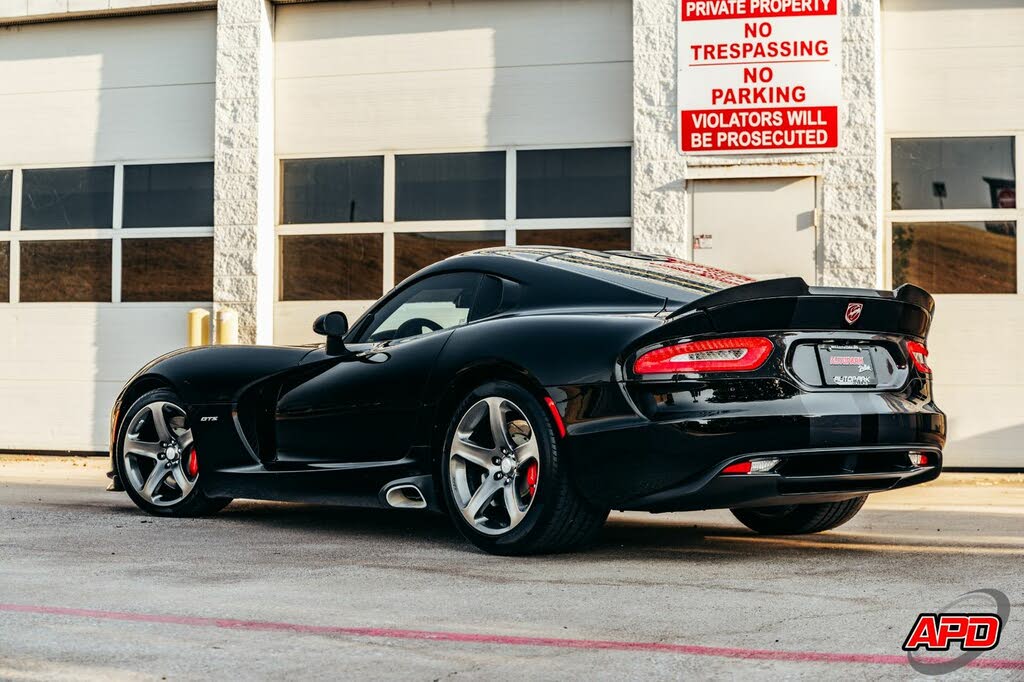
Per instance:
(479,638)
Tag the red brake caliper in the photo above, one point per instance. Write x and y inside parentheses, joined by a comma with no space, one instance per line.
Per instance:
(531,477)
(193,463)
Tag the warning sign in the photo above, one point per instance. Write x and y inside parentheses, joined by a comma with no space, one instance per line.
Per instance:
(759,76)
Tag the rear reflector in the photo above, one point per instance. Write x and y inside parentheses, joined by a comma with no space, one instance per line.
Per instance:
(737,468)
(919,459)
(761,465)
(919,355)
(740,354)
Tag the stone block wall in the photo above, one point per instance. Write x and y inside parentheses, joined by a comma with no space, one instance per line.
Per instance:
(244,167)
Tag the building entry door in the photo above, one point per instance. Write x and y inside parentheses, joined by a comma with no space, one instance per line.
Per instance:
(760,227)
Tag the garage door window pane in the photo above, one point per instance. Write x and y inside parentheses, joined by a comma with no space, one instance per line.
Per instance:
(345,267)
(953,172)
(598,239)
(67,270)
(5,199)
(349,190)
(573,183)
(450,186)
(168,195)
(5,272)
(418,250)
(168,269)
(956,258)
(65,198)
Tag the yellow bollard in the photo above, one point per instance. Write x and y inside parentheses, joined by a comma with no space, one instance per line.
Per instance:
(198,327)
(227,327)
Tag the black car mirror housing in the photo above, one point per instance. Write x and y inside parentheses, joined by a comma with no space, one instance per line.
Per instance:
(333,325)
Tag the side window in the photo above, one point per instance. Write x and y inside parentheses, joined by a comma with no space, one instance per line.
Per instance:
(488,298)
(435,303)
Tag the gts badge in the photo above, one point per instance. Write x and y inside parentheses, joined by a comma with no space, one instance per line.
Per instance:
(208,419)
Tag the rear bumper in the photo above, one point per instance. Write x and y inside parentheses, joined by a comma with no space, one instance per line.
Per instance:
(667,453)
(716,490)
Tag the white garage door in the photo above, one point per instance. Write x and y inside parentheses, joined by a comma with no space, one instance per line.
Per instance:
(465,105)
(954,108)
(105,181)
(471,74)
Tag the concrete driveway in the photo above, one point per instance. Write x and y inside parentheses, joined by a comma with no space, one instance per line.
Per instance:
(90,588)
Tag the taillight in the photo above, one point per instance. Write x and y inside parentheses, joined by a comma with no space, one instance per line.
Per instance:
(919,355)
(740,354)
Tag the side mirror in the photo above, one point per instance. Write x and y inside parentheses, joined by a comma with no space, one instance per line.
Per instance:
(333,325)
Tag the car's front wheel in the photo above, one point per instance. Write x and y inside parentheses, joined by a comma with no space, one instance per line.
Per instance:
(798,519)
(505,483)
(157,460)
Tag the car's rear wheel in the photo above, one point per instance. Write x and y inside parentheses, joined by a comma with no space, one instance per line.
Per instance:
(505,484)
(798,519)
(157,460)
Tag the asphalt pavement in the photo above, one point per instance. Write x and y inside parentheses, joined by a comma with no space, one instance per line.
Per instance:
(91,588)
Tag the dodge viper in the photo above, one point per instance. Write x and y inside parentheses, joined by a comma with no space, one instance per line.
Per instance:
(528,391)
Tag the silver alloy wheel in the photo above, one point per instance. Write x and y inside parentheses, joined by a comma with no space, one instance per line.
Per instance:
(156,453)
(494,465)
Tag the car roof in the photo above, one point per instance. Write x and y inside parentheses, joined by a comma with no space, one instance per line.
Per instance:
(567,276)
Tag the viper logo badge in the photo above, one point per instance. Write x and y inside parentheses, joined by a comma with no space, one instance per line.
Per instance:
(853,312)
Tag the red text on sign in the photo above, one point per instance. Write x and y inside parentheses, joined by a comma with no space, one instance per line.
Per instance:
(767,128)
(702,10)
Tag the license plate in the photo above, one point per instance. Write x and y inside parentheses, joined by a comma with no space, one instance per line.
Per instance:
(847,366)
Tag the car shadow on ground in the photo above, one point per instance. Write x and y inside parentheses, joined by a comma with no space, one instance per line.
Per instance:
(654,536)
(670,538)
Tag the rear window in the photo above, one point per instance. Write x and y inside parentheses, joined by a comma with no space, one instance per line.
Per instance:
(663,276)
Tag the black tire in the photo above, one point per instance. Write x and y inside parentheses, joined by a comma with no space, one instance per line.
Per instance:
(196,503)
(799,519)
(559,519)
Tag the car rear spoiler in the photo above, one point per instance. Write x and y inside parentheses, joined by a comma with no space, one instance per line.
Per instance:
(789,303)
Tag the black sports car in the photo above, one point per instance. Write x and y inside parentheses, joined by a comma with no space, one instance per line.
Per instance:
(528,391)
